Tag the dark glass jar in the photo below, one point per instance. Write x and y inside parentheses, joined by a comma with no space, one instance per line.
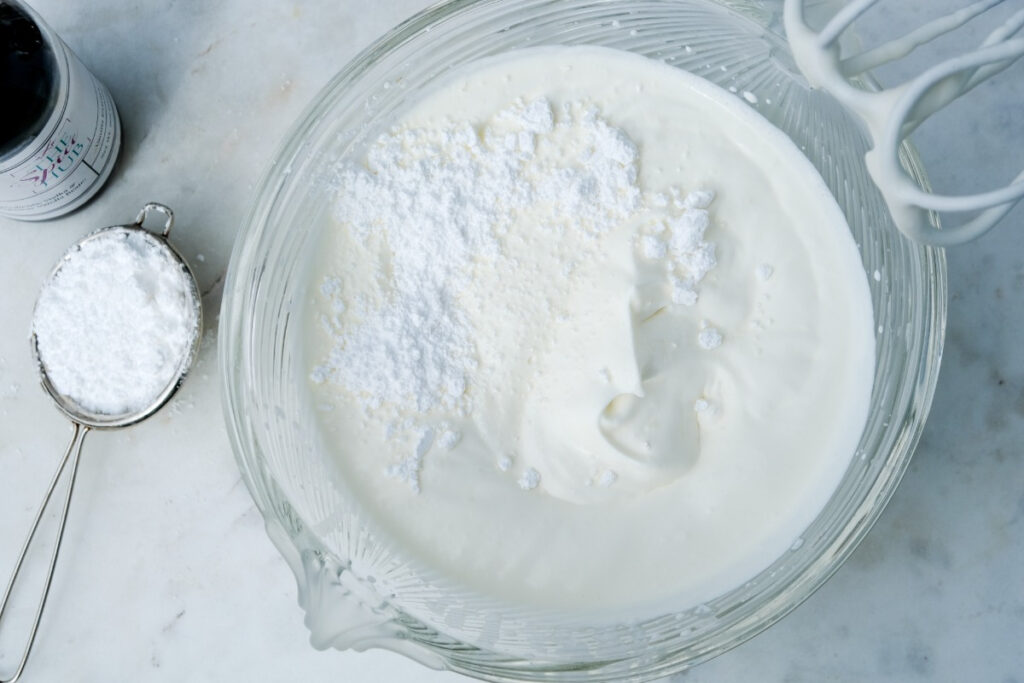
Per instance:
(59,129)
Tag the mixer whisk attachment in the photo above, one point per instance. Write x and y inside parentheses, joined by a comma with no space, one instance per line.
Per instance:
(892,114)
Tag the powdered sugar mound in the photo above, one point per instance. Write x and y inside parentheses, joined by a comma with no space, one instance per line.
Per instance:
(115,323)
(441,198)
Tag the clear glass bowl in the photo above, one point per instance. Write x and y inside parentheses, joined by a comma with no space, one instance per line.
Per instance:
(358,591)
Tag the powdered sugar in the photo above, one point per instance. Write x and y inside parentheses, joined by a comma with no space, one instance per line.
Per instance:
(439,201)
(675,237)
(529,480)
(441,198)
(449,439)
(408,469)
(115,322)
(709,337)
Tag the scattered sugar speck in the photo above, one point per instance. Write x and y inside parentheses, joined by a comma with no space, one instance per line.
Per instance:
(709,337)
(529,480)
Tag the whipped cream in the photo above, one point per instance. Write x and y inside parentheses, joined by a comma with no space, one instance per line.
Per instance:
(592,333)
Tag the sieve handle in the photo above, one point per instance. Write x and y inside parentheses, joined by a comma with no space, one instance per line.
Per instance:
(155,208)
(72,454)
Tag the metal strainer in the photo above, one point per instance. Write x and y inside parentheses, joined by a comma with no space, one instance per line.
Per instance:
(84,419)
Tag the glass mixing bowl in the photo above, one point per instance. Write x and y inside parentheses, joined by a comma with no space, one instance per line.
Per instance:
(357,589)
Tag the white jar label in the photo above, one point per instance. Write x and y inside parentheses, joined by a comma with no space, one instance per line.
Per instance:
(72,158)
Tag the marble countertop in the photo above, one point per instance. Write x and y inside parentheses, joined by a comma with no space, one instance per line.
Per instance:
(166,573)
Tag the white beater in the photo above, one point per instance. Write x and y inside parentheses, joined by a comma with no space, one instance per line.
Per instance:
(892,114)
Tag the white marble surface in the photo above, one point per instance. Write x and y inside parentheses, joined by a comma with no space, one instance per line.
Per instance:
(166,573)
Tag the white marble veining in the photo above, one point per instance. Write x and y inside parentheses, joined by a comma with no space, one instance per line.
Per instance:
(166,572)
